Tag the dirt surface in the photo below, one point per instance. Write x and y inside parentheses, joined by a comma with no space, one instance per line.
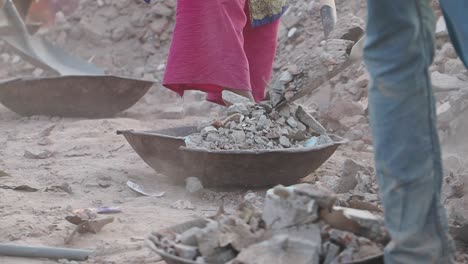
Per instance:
(96,163)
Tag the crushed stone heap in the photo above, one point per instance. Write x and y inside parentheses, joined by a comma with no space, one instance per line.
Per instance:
(260,126)
(297,224)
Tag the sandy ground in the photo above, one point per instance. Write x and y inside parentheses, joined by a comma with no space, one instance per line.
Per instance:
(87,154)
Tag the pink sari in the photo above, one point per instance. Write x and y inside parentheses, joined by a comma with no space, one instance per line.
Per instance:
(215,46)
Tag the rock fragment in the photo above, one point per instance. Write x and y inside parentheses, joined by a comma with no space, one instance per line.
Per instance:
(284,208)
(279,250)
(310,121)
(233,98)
(193,185)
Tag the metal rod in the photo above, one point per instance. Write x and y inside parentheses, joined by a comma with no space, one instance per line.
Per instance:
(44,252)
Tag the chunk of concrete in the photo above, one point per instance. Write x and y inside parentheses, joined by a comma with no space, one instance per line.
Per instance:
(279,250)
(284,208)
(324,197)
(310,121)
(233,98)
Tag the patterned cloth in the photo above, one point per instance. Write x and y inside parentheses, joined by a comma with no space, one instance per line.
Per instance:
(266,11)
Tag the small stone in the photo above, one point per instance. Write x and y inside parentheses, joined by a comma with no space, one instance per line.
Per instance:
(161,10)
(273,135)
(342,108)
(362,81)
(183,205)
(233,98)
(441,27)
(284,208)
(37,155)
(258,113)
(292,32)
(236,118)
(193,185)
(159,25)
(214,138)
(281,249)
(260,141)
(331,252)
(445,81)
(238,136)
(301,126)
(189,237)
(185,252)
(292,122)
(453,67)
(209,129)
(38,72)
(310,121)
(354,134)
(284,141)
(286,77)
(261,124)
(448,51)
(351,121)
(238,108)
(348,179)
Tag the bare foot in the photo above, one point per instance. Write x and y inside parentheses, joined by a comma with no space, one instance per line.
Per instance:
(246,94)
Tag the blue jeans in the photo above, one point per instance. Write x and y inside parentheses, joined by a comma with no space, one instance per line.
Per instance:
(398,51)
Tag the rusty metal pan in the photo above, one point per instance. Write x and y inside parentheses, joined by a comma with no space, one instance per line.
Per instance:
(180,228)
(166,153)
(72,96)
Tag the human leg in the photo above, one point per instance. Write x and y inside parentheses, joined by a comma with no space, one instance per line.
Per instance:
(398,51)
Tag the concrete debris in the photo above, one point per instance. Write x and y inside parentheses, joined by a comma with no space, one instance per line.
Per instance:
(183,205)
(348,27)
(38,154)
(193,185)
(279,250)
(231,98)
(441,28)
(290,229)
(260,126)
(285,208)
(349,176)
(308,120)
(444,81)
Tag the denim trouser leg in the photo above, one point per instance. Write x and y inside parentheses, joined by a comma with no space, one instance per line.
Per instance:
(456,16)
(398,51)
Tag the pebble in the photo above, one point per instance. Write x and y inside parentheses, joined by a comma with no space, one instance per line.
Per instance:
(237,108)
(193,185)
(284,141)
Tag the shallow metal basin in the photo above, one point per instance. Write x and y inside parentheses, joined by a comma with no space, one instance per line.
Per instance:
(72,96)
(166,153)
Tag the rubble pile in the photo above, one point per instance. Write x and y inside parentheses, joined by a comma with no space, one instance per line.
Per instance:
(124,36)
(260,126)
(298,224)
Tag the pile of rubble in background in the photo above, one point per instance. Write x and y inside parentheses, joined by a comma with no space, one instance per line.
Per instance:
(297,224)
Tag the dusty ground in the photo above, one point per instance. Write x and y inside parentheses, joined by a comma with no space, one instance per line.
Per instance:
(96,163)
(88,153)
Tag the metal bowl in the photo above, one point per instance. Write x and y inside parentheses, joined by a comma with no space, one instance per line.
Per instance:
(72,96)
(180,228)
(166,153)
